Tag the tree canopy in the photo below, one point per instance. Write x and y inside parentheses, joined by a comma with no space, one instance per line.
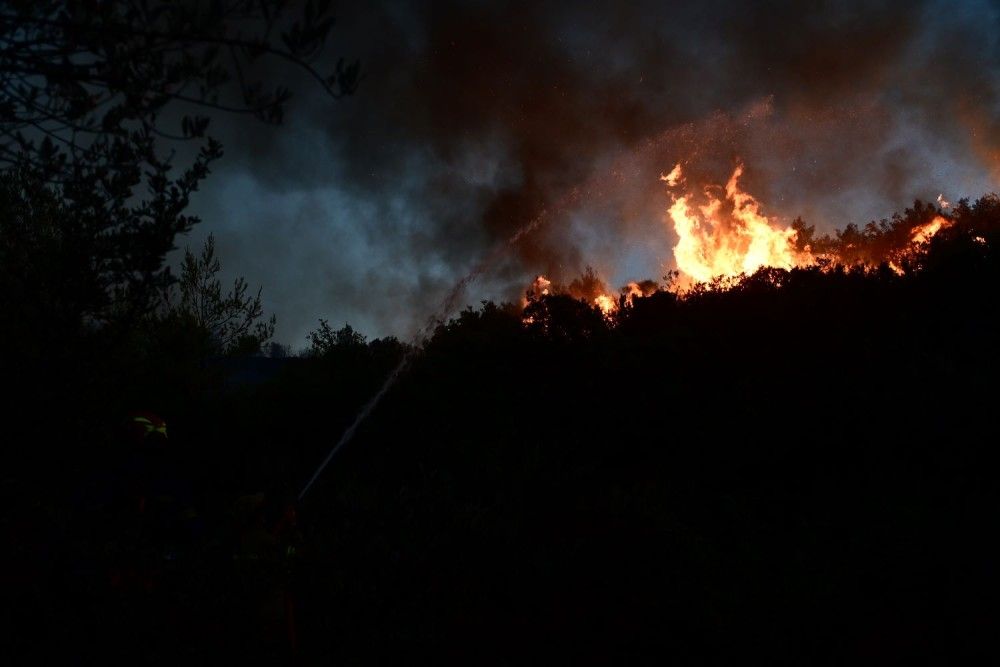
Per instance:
(233,321)
(86,87)
(84,80)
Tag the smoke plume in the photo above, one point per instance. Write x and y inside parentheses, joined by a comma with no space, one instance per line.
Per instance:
(474,118)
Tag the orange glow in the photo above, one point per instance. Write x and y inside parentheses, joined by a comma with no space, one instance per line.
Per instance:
(632,290)
(606,304)
(541,286)
(723,234)
(728,235)
(923,233)
(673,177)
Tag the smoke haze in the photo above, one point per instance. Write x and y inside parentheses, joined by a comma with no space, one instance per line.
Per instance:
(475,117)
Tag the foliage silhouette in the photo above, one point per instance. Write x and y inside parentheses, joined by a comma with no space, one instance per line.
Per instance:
(86,81)
(91,196)
(800,465)
(232,320)
(325,341)
(84,95)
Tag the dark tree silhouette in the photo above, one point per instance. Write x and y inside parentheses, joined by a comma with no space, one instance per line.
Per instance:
(85,87)
(800,465)
(233,321)
(563,316)
(114,245)
(83,79)
(325,340)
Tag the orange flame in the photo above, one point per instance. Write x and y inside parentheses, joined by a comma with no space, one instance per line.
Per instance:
(633,290)
(606,303)
(726,236)
(541,285)
(919,235)
(731,236)
(590,291)
(923,233)
(673,177)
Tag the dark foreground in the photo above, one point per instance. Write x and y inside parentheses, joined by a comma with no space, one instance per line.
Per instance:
(803,469)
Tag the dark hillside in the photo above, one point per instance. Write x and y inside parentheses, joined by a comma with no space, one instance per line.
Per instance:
(802,465)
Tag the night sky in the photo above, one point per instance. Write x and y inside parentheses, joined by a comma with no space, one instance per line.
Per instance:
(475,117)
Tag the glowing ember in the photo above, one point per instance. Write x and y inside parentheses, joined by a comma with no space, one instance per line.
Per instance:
(730,236)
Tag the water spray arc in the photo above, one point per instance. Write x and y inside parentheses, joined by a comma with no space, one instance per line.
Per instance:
(687,139)
(447,306)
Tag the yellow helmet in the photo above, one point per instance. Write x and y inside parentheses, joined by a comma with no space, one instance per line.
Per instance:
(145,425)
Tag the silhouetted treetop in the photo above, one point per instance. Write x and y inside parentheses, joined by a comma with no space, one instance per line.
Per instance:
(82,78)
(326,340)
(872,244)
(233,321)
(86,87)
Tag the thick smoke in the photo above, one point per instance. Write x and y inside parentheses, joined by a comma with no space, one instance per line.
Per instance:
(474,118)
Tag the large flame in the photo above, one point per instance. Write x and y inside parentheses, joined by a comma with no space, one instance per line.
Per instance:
(606,303)
(923,233)
(730,236)
(920,235)
(724,234)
